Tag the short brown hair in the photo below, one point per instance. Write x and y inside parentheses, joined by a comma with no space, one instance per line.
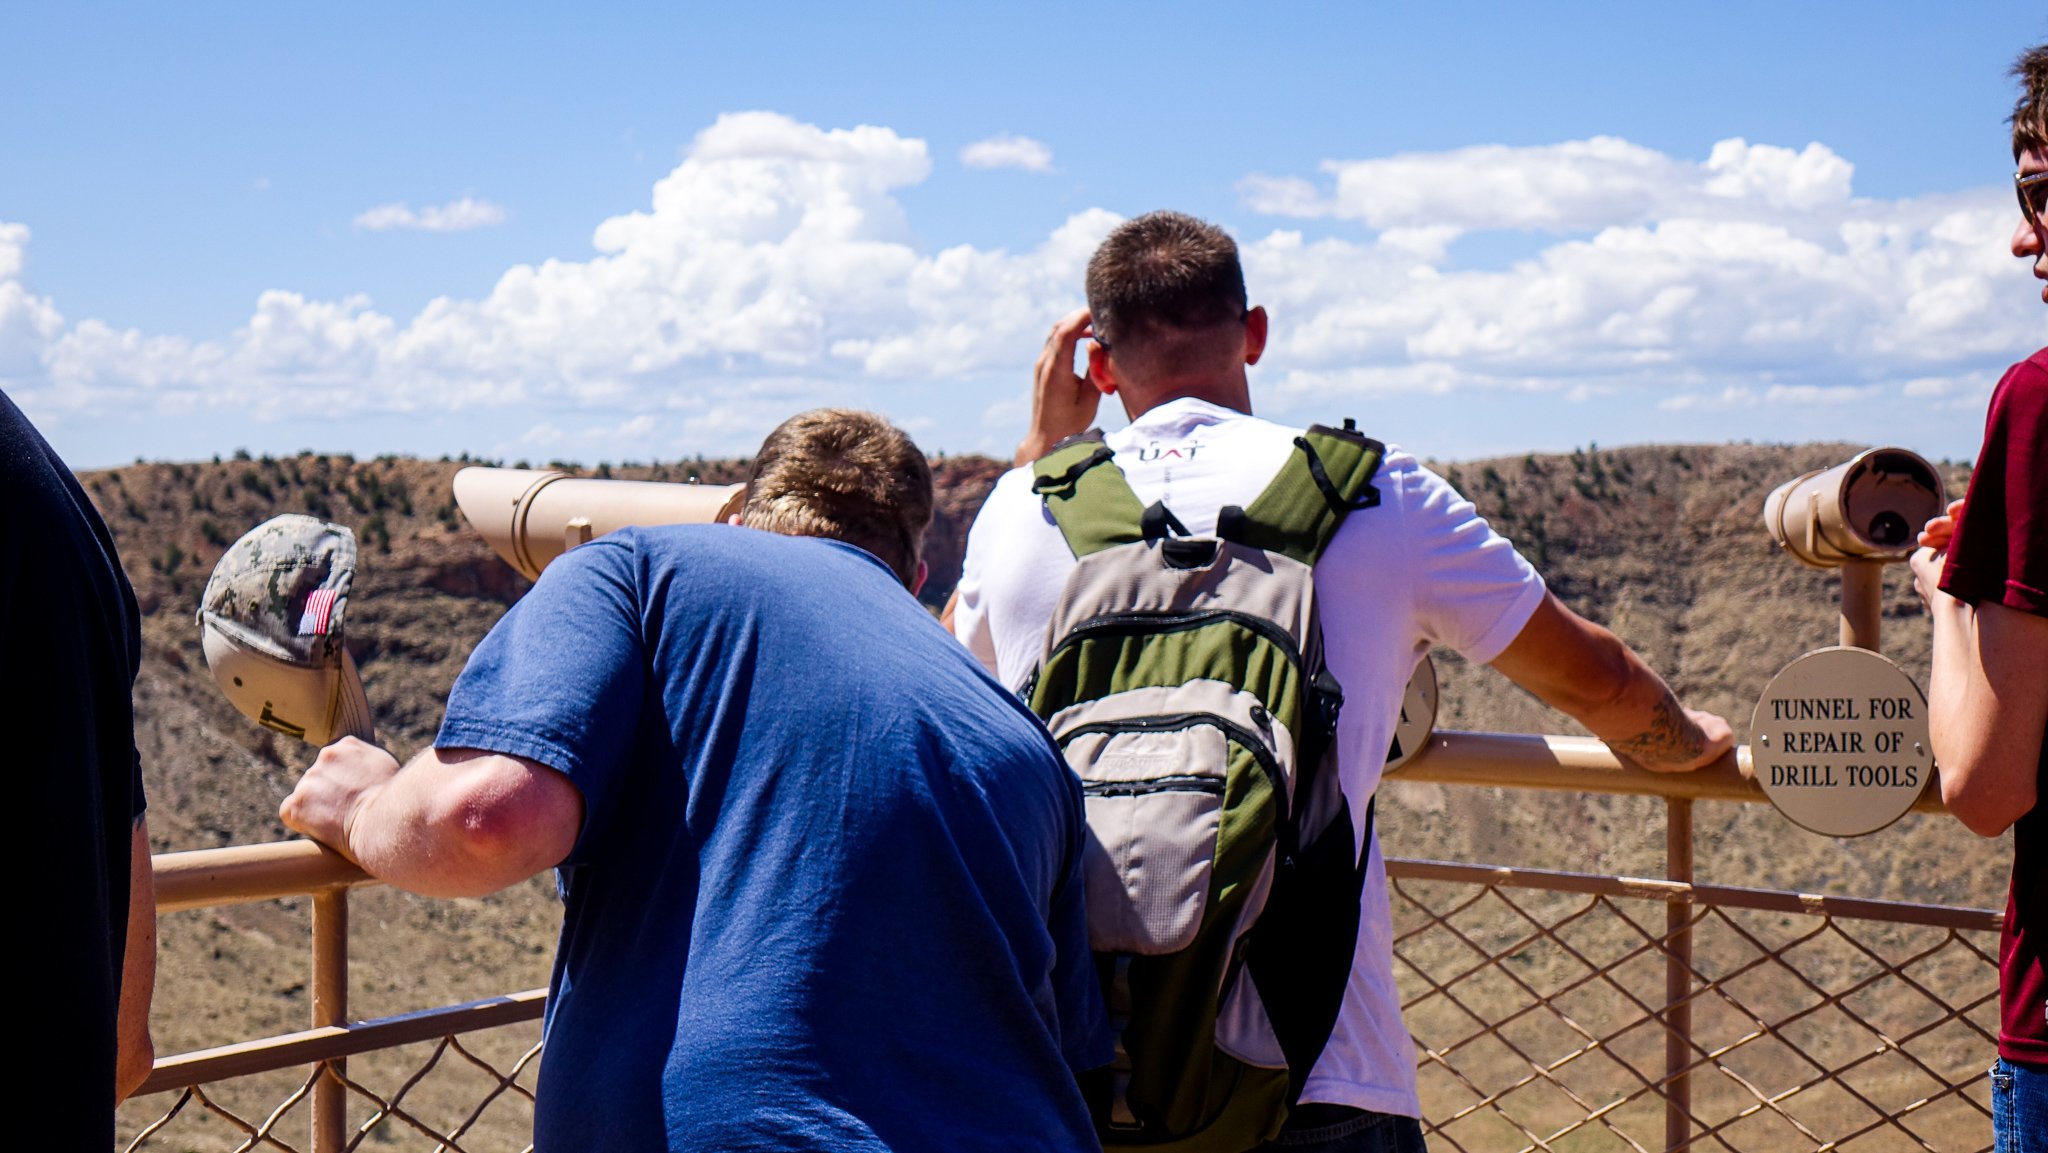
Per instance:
(847,475)
(1164,270)
(2030,115)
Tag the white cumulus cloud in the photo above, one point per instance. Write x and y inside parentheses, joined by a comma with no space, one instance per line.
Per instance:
(455,216)
(28,323)
(1754,273)
(772,263)
(774,268)
(1575,186)
(1008,151)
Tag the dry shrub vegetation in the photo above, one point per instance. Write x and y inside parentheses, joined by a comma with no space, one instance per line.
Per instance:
(1663,544)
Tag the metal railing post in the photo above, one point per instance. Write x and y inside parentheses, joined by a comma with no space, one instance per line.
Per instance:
(1678,978)
(1862,603)
(330,1007)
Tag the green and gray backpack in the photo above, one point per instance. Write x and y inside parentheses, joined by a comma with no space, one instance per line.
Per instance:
(1183,678)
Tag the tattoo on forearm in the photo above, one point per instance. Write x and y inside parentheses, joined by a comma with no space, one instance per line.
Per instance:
(1671,738)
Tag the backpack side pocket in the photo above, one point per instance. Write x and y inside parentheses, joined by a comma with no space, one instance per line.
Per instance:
(1154,804)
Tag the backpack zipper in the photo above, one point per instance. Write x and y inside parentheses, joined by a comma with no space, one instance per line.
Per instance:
(1175,722)
(1163,622)
(1175,784)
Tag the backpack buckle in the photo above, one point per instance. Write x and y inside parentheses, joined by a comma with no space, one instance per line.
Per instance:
(1066,480)
(1368,498)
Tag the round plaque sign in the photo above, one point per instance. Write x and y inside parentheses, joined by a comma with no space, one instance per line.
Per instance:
(1418,716)
(1839,742)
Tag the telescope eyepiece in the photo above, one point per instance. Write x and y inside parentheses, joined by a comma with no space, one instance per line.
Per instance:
(1888,529)
(1866,508)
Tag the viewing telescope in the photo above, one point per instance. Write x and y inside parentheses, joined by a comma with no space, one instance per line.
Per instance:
(1840,739)
(1858,517)
(1870,507)
(531,516)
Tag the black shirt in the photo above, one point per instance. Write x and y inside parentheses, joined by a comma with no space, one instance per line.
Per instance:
(70,645)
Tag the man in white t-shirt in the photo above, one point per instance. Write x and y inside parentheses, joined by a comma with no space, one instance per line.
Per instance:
(1172,336)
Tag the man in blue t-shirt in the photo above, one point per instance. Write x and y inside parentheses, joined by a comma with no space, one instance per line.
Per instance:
(822,873)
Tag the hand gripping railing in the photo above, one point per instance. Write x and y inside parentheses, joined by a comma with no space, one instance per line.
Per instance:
(1536,1017)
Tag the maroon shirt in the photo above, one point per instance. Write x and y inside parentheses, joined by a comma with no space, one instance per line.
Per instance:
(2003,560)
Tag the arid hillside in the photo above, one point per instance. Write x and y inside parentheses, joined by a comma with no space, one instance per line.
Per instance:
(1663,544)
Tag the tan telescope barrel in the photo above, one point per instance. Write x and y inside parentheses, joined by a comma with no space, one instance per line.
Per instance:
(1869,507)
(531,516)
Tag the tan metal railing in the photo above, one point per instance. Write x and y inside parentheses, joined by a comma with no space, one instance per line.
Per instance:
(1552,1010)
(210,878)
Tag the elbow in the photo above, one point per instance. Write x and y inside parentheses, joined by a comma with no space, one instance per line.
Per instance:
(1985,820)
(137,1058)
(492,844)
(1606,684)
(491,828)
(1984,811)
(509,821)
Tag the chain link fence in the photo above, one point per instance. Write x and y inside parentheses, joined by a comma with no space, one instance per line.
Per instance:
(1543,1006)
(462,1092)
(1551,1011)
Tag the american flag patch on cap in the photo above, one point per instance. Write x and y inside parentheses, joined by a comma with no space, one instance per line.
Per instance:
(319,612)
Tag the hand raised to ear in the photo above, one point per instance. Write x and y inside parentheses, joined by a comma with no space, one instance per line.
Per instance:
(1063,402)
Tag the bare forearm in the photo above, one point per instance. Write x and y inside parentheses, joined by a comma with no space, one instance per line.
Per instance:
(135,1052)
(436,832)
(1987,703)
(1587,673)
(398,837)
(1644,721)
(1948,680)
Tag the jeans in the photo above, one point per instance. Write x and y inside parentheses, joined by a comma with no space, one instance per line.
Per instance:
(2019,1106)
(1319,1128)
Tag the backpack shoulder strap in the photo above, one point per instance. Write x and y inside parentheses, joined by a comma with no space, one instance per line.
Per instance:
(1087,495)
(1328,477)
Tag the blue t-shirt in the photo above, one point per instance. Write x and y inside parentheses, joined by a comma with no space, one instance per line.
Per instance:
(827,893)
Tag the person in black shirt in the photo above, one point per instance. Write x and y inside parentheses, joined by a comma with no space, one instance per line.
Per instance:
(70,645)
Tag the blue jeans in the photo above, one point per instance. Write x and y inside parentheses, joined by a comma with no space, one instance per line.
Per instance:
(2019,1106)
(1318,1128)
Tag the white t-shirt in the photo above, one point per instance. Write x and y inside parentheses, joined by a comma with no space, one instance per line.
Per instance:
(1421,569)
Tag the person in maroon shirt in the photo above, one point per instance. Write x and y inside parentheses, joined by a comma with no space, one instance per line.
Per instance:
(1983,572)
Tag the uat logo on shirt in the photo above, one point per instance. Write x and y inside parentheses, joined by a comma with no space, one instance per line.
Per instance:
(1180,451)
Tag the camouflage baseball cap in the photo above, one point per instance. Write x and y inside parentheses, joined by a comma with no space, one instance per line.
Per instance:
(271,627)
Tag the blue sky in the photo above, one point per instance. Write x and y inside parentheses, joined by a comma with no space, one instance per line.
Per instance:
(1480,228)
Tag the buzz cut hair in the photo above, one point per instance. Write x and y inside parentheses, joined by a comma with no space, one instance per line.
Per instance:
(2030,115)
(848,476)
(1164,271)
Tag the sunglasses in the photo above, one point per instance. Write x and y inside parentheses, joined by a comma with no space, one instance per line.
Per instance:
(2032,189)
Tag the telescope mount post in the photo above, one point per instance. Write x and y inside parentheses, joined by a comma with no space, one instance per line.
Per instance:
(1862,603)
